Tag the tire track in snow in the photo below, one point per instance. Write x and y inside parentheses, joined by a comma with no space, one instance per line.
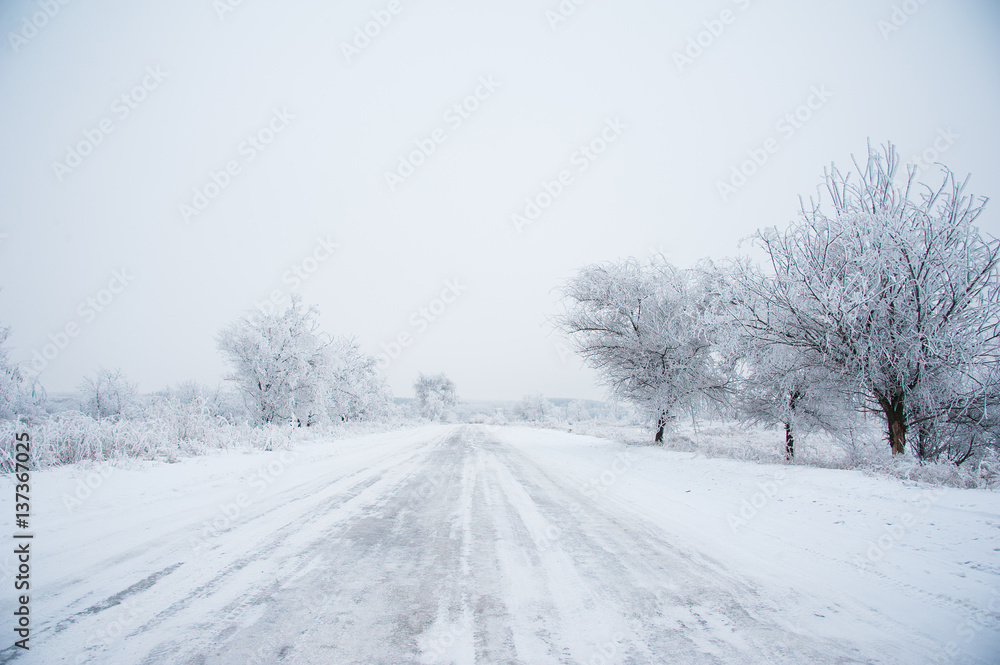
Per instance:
(259,535)
(627,581)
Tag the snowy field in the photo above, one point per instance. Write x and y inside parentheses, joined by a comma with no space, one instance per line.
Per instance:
(487,544)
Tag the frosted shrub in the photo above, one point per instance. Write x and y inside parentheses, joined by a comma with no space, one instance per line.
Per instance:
(109,394)
(166,432)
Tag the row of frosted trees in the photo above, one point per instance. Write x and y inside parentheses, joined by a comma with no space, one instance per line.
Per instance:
(283,368)
(880,297)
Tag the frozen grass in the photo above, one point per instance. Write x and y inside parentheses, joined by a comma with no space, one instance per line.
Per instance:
(71,437)
(982,472)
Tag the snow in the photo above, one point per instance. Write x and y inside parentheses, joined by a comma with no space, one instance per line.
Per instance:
(909,571)
(487,544)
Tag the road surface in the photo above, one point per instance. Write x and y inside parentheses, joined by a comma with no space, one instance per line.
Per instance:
(449,548)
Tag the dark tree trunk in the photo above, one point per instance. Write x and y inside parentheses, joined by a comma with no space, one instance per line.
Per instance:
(793,400)
(923,441)
(968,452)
(895,423)
(661,423)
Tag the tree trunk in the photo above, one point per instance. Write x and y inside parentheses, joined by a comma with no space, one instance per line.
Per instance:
(925,434)
(895,423)
(661,423)
(793,400)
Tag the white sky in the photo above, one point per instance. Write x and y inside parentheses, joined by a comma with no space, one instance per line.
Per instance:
(322,176)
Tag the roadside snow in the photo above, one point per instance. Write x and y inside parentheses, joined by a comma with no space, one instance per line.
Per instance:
(857,558)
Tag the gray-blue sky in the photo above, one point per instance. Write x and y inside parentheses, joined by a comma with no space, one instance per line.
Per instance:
(339,125)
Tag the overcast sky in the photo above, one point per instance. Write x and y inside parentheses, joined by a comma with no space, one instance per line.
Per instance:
(167,166)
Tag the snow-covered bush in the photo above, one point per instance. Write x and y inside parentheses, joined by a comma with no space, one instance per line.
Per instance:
(435,396)
(578,410)
(109,395)
(19,396)
(981,472)
(356,392)
(534,409)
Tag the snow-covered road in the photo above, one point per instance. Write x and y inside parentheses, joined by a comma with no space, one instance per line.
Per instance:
(453,544)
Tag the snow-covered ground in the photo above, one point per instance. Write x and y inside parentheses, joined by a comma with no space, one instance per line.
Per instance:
(482,544)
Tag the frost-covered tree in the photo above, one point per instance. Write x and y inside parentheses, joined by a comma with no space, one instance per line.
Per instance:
(435,395)
(227,403)
(109,395)
(779,386)
(279,362)
(577,410)
(970,420)
(649,331)
(534,408)
(18,395)
(355,389)
(188,392)
(893,288)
